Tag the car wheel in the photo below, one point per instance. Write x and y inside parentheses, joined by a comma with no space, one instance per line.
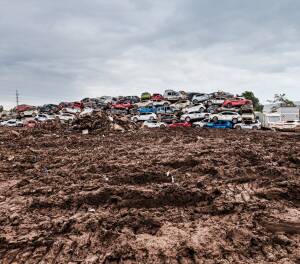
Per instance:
(215,119)
(135,119)
(209,103)
(201,110)
(238,127)
(195,102)
(187,119)
(254,127)
(151,118)
(165,104)
(229,105)
(162,126)
(197,126)
(206,116)
(234,120)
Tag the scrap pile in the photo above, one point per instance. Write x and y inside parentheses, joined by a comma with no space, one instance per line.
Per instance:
(100,122)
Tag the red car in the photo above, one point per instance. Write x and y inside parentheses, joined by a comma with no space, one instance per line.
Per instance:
(23,108)
(237,101)
(122,105)
(78,105)
(180,124)
(157,97)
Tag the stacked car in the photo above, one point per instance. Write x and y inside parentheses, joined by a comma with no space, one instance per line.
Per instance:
(168,109)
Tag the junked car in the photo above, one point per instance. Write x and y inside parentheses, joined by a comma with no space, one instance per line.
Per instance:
(194,116)
(145,96)
(157,97)
(189,109)
(201,124)
(44,117)
(236,101)
(154,124)
(165,110)
(66,117)
(291,125)
(179,124)
(172,96)
(181,104)
(144,117)
(218,100)
(200,98)
(226,116)
(12,123)
(249,126)
(219,124)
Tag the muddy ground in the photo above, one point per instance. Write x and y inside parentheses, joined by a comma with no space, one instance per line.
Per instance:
(159,196)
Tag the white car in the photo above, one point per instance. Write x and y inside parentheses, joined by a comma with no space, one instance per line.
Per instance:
(172,96)
(144,104)
(226,116)
(199,98)
(200,108)
(181,104)
(194,116)
(144,117)
(66,117)
(71,110)
(218,100)
(288,125)
(201,123)
(12,123)
(154,124)
(44,117)
(158,103)
(252,126)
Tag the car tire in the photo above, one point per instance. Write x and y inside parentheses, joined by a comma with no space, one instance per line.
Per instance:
(229,105)
(165,104)
(151,118)
(209,103)
(254,127)
(206,116)
(187,119)
(234,120)
(135,120)
(162,126)
(201,110)
(238,127)
(197,126)
(195,102)
(215,119)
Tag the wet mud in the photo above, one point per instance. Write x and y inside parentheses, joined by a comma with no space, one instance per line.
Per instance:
(149,196)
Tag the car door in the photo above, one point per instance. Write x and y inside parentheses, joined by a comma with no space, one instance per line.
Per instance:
(197,115)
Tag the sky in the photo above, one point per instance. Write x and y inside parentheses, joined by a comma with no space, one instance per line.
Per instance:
(65,50)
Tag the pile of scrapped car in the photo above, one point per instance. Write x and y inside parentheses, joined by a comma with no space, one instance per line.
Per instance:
(171,109)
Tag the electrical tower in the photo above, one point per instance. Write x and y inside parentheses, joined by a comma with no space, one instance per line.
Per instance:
(17,97)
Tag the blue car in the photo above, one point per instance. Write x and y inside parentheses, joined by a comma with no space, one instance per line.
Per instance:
(219,124)
(147,109)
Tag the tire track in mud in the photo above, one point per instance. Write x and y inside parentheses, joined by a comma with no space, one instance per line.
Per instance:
(112,199)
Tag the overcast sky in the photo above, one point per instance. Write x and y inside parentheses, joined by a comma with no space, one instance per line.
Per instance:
(63,50)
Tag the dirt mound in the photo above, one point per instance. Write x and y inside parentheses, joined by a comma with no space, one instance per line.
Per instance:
(100,121)
(159,196)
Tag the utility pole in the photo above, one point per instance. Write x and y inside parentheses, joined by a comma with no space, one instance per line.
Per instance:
(17,97)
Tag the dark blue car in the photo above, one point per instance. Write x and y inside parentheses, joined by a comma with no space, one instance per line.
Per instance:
(219,124)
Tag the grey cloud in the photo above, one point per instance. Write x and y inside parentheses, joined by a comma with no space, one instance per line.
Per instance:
(66,50)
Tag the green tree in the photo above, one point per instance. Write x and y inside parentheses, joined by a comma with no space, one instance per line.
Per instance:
(282,100)
(256,104)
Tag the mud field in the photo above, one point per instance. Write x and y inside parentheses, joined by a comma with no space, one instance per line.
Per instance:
(160,196)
